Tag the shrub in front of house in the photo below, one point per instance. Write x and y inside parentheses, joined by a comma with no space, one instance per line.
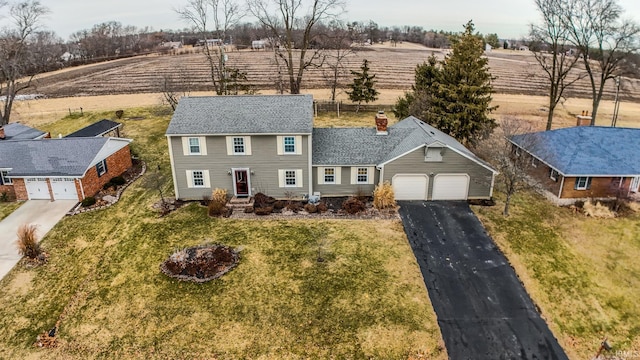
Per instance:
(383,196)
(118,180)
(263,210)
(353,206)
(219,195)
(322,207)
(310,208)
(218,208)
(88,201)
(108,186)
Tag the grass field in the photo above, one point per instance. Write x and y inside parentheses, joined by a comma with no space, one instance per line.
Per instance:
(583,273)
(7,208)
(103,286)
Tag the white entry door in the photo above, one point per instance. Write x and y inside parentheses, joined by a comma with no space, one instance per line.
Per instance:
(410,186)
(450,187)
(37,188)
(64,189)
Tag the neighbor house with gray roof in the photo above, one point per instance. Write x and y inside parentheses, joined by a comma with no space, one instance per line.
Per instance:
(583,162)
(267,143)
(67,168)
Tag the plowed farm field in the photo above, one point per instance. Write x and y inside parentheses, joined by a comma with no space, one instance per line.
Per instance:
(515,72)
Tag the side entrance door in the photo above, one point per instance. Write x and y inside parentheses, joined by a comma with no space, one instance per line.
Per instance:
(241,181)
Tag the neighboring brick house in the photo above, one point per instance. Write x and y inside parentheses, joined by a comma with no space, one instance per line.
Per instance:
(68,168)
(267,143)
(583,162)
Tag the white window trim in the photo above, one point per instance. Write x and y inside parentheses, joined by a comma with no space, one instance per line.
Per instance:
(370,175)
(534,162)
(297,144)
(186,145)
(205,175)
(231,149)
(282,179)
(103,164)
(337,172)
(6,180)
(553,172)
(586,183)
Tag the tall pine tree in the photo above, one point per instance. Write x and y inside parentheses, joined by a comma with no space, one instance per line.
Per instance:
(363,86)
(454,95)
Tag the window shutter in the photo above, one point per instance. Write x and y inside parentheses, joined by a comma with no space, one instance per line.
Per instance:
(371,174)
(106,169)
(203,145)
(281,178)
(185,145)
(320,175)
(280,145)
(338,175)
(247,145)
(298,145)
(354,175)
(207,181)
(229,145)
(189,178)
(299,182)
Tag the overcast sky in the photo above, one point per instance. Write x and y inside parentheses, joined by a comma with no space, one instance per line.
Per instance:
(507,18)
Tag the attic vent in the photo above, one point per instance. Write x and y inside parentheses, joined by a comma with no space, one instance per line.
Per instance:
(432,133)
(433,154)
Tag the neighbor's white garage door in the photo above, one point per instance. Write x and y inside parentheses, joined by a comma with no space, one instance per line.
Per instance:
(410,186)
(37,188)
(450,187)
(64,189)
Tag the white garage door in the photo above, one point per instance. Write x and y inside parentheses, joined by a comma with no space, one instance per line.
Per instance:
(37,188)
(450,187)
(64,189)
(410,186)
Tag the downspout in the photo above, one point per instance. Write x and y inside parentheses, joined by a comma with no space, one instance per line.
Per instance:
(381,169)
(493,182)
(81,188)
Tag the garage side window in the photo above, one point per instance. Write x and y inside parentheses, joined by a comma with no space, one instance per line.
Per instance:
(4,180)
(101,167)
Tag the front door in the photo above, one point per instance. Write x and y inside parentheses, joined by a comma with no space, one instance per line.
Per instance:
(241,179)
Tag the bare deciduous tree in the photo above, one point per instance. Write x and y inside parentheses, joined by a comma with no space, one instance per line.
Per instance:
(174,86)
(15,56)
(597,29)
(549,45)
(224,14)
(513,164)
(339,42)
(293,26)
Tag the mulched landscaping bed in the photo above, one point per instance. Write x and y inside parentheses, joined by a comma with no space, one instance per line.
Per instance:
(200,263)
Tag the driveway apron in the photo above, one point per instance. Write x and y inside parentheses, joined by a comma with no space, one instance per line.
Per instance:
(483,310)
(43,213)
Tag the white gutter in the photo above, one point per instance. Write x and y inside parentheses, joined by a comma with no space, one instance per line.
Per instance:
(561,187)
(81,187)
(493,181)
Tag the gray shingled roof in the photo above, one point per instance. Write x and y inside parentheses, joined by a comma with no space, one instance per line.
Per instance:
(15,131)
(250,114)
(586,150)
(50,157)
(361,146)
(96,129)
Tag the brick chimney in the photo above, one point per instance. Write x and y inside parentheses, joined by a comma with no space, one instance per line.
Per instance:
(381,123)
(2,134)
(584,119)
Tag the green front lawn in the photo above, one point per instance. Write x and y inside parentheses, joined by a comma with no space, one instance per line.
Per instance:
(103,284)
(6,208)
(584,273)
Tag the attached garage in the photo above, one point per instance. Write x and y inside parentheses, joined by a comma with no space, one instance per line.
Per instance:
(410,186)
(37,188)
(450,187)
(64,189)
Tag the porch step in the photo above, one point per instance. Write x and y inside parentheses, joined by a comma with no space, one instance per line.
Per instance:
(240,202)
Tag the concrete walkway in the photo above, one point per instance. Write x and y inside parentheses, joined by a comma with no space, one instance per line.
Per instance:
(43,213)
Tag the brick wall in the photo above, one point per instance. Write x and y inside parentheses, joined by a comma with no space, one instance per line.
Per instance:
(117,164)
(541,175)
(9,190)
(20,189)
(600,187)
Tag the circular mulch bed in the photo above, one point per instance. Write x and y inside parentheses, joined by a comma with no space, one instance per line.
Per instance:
(200,263)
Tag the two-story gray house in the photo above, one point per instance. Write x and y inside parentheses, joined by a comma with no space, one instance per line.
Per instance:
(267,143)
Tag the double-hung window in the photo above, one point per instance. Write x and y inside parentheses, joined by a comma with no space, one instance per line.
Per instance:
(289,144)
(362,176)
(583,183)
(329,175)
(198,178)
(238,146)
(4,180)
(553,175)
(194,146)
(101,167)
(290,178)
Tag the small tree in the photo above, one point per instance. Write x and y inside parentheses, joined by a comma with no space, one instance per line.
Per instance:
(511,163)
(363,86)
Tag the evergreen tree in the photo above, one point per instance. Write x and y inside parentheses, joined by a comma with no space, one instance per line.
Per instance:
(363,86)
(454,95)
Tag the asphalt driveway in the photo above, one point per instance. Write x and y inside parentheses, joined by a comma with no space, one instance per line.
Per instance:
(44,213)
(482,308)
